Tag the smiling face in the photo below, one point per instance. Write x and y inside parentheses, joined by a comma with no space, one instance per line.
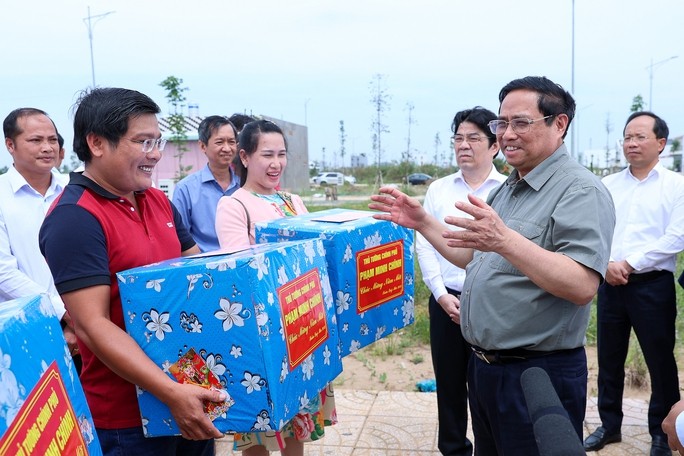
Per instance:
(475,156)
(221,147)
(125,168)
(35,149)
(642,151)
(524,151)
(266,165)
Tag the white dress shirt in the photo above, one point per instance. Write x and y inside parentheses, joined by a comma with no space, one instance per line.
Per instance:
(23,270)
(439,273)
(649,228)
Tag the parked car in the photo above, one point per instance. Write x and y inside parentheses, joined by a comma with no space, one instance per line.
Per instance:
(419,178)
(329,178)
(350,180)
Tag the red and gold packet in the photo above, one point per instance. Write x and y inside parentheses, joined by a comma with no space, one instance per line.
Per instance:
(191,368)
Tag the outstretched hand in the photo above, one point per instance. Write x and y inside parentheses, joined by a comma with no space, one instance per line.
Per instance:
(485,231)
(397,207)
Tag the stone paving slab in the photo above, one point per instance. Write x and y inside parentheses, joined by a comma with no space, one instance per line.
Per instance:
(393,423)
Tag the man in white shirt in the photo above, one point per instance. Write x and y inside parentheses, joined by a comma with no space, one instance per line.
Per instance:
(639,292)
(26,192)
(475,147)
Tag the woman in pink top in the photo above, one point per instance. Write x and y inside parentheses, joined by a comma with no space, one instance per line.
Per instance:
(260,162)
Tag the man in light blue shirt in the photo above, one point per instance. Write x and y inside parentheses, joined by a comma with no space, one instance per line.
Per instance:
(197,195)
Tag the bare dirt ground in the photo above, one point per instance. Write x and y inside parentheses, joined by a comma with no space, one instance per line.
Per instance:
(368,370)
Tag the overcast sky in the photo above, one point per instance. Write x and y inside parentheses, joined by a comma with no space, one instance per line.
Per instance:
(313,61)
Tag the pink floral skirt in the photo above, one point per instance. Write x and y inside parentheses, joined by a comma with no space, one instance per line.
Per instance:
(308,425)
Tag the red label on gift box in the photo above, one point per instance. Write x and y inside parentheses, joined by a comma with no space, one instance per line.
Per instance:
(46,423)
(304,318)
(380,275)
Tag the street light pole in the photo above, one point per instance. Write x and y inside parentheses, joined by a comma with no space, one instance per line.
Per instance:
(650,69)
(573,152)
(306,104)
(89,23)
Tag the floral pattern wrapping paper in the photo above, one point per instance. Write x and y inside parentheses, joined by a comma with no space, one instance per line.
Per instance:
(42,405)
(261,319)
(371,269)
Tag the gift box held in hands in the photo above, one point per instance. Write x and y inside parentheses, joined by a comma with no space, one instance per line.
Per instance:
(43,409)
(260,319)
(370,263)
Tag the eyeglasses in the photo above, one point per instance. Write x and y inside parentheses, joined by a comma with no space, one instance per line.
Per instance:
(148,144)
(638,139)
(520,125)
(470,139)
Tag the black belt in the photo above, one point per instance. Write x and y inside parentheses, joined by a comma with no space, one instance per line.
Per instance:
(646,276)
(511,356)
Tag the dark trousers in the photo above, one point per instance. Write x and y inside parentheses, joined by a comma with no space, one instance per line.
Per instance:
(132,442)
(650,308)
(501,421)
(450,355)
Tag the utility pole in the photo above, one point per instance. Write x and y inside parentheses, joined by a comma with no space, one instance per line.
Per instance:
(609,128)
(650,68)
(89,23)
(573,142)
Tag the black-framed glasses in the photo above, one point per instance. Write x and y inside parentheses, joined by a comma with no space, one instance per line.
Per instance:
(147,145)
(518,125)
(638,139)
(473,138)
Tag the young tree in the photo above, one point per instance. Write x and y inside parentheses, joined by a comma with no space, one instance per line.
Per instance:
(175,94)
(343,139)
(438,142)
(637,104)
(609,128)
(406,159)
(674,148)
(380,100)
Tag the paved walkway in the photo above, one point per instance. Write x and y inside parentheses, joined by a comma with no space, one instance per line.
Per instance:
(378,423)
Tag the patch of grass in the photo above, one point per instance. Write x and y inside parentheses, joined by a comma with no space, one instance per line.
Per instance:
(324,205)
(339,380)
(636,371)
(392,345)
(383,377)
(417,359)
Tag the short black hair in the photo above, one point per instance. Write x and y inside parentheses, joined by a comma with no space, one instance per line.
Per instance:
(60,141)
(553,98)
(478,116)
(240,120)
(10,126)
(660,127)
(210,125)
(106,112)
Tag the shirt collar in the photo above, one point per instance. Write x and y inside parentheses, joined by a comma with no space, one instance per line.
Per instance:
(77,178)
(493,174)
(541,173)
(207,176)
(656,171)
(17,181)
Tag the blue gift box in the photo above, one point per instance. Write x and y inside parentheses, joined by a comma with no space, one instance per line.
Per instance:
(370,263)
(43,409)
(262,319)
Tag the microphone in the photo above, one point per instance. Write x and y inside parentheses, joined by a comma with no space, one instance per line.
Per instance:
(553,431)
